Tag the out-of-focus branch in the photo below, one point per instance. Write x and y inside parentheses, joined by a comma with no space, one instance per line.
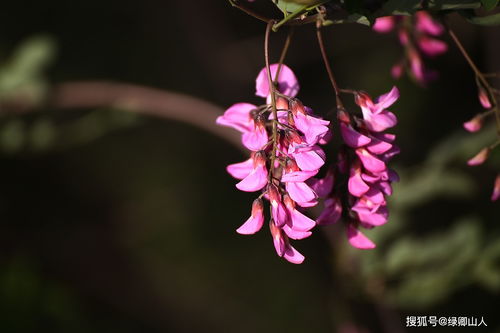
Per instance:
(142,100)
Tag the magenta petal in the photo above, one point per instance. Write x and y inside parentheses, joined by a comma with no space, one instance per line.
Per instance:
(376,218)
(255,181)
(255,139)
(287,81)
(309,160)
(331,213)
(431,46)
(279,244)
(292,255)
(313,128)
(386,100)
(240,170)
(425,23)
(298,176)
(378,146)
(384,24)
(279,213)
(356,185)
(474,124)
(307,204)
(496,189)
(296,234)
(252,225)
(322,186)
(300,192)
(300,221)
(381,121)
(370,162)
(353,138)
(238,117)
(358,240)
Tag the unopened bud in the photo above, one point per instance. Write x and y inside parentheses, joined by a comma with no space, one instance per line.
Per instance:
(480,157)
(293,136)
(343,116)
(282,104)
(297,107)
(291,165)
(483,98)
(273,193)
(496,189)
(474,124)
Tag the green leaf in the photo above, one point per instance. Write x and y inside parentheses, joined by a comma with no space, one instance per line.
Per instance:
(489,4)
(481,20)
(454,4)
(291,6)
(401,7)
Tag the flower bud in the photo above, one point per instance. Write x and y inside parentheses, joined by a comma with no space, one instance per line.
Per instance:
(484,98)
(297,107)
(480,157)
(282,104)
(496,189)
(474,124)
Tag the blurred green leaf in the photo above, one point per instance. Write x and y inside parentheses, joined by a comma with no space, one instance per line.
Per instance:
(13,135)
(489,4)
(489,20)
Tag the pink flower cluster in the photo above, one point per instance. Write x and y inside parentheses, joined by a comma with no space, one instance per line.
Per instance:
(285,156)
(364,157)
(281,167)
(417,35)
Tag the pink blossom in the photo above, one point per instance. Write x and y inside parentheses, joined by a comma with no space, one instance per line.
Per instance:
(496,189)
(384,24)
(353,138)
(483,98)
(283,247)
(331,213)
(278,211)
(287,81)
(357,239)
(431,46)
(426,24)
(480,157)
(322,186)
(474,124)
(357,187)
(257,178)
(308,158)
(255,221)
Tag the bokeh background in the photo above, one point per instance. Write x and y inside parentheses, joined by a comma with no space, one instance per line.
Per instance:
(117,215)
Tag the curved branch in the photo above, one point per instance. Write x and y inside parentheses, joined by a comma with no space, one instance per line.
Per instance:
(142,100)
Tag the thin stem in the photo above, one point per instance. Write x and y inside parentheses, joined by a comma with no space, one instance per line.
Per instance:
(284,52)
(235,3)
(272,91)
(480,76)
(327,64)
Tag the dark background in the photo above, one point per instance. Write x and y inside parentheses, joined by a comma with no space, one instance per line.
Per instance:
(131,228)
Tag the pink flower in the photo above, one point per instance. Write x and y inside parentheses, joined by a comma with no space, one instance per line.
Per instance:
(257,178)
(278,211)
(426,24)
(331,213)
(357,239)
(353,138)
(283,247)
(483,98)
(474,124)
(480,157)
(239,117)
(431,46)
(496,189)
(322,186)
(287,82)
(384,24)
(255,221)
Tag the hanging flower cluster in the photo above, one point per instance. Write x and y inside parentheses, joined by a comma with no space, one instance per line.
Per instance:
(417,35)
(285,155)
(364,157)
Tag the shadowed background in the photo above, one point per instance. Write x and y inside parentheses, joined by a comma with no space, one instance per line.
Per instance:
(120,221)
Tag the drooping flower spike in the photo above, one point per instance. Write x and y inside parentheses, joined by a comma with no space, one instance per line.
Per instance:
(417,35)
(282,170)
